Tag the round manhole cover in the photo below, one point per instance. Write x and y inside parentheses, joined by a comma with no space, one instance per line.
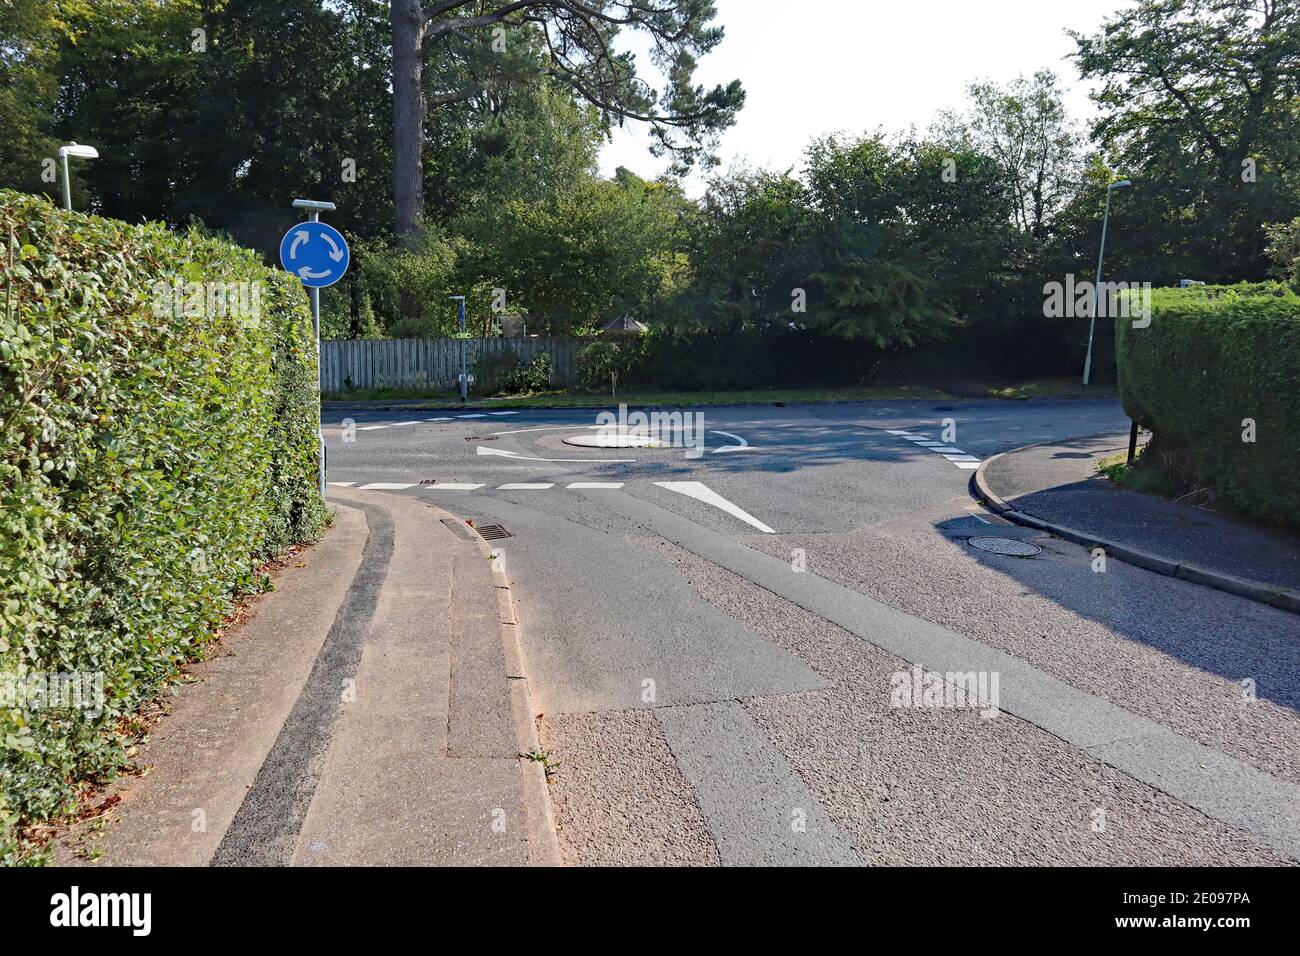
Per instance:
(1019,549)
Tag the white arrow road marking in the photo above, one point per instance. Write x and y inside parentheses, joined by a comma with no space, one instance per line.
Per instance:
(454,486)
(337,254)
(515,456)
(743,446)
(299,238)
(593,485)
(306,273)
(385,486)
(526,486)
(702,492)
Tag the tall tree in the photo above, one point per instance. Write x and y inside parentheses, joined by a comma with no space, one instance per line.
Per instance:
(1201,107)
(1025,127)
(578,38)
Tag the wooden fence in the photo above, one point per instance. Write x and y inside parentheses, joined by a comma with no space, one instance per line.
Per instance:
(430,364)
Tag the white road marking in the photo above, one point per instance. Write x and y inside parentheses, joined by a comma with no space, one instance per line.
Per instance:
(453,486)
(473,415)
(743,446)
(968,465)
(585,485)
(526,486)
(341,484)
(503,413)
(895,431)
(444,419)
(371,428)
(943,448)
(961,458)
(386,486)
(702,492)
(400,424)
(515,456)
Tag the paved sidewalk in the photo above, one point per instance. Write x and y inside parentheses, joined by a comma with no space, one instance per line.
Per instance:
(372,711)
(1058,484)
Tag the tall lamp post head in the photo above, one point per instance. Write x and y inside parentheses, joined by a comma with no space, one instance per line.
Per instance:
(1120,184)
(76,151)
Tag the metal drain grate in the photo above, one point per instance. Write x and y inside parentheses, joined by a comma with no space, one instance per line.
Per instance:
(493,532)
(1017,549)
(480,438)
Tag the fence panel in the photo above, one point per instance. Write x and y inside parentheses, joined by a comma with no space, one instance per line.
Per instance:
(430,364)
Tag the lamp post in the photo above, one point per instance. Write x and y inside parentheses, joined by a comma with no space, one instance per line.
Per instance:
(464,380)
(1096,289)
(76,152)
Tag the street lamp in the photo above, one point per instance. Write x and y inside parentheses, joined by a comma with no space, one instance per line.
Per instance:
(76,152)
(464,380)
(1096,289)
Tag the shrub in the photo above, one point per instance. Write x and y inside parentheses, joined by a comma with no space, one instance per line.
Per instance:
(1212,358)
(154,451)
(504,373)
(600,363)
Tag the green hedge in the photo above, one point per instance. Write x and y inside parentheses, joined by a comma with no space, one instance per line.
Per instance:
(154,451)
(1212,357)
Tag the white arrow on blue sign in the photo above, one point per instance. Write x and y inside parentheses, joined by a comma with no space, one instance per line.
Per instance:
(316,253)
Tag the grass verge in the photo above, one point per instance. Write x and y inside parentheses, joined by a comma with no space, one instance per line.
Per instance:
(558,399)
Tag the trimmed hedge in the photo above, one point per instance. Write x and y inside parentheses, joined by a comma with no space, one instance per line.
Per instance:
(1212,357)
(155,450)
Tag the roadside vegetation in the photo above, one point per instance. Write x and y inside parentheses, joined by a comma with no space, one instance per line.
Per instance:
(883,257)
(155,452)
(1214,376)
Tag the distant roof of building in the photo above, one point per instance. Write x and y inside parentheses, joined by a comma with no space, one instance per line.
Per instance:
(625,324)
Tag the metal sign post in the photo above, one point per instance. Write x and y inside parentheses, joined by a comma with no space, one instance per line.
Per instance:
(464,377)
(318,255)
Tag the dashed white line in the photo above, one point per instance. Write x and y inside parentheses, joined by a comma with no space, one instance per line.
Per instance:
(591,485)
(474,415)
(341,484)
(526,486)
(371,428)
(386,486)
(454,486)
(503,413)
(443,419)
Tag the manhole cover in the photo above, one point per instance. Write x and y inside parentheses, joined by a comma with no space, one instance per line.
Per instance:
(1019,549)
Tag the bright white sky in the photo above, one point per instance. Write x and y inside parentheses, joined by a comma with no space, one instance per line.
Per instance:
(812,67)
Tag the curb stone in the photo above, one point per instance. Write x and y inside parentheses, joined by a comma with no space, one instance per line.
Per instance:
(543,843)
(1272,595)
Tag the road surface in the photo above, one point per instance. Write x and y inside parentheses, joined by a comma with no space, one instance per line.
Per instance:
(733,653)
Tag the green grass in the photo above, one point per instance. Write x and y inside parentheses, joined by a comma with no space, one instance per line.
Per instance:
(570,400)
(1147,479)
(1052,388)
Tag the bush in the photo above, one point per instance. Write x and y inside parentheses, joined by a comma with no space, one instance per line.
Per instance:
(154,451)
(600,364)
(504,373)
(1213,357)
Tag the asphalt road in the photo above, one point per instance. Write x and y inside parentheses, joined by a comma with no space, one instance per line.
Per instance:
(722,647)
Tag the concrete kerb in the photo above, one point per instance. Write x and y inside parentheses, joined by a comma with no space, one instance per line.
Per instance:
(543,844)
(1273,596)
